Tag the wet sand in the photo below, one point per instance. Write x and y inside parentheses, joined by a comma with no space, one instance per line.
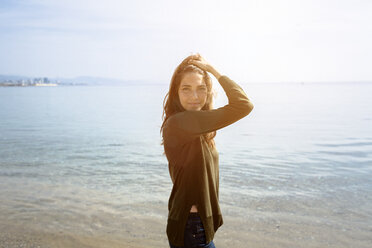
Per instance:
(51,215)
(96,231)
(12,235)
(268,223)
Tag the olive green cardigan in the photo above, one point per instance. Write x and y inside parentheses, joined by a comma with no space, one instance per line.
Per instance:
(193,164)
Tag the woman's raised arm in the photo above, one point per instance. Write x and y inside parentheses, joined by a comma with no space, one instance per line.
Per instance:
(188,125)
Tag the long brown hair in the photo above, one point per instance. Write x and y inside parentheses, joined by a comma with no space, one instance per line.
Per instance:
(172,104)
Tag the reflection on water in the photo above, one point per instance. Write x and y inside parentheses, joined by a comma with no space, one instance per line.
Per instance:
(74,149)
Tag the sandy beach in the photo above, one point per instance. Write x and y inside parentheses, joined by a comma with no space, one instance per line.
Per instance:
(280,222)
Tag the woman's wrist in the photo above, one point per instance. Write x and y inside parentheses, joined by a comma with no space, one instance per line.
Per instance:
(215,73)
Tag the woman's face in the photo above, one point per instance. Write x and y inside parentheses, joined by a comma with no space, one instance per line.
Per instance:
(192,91)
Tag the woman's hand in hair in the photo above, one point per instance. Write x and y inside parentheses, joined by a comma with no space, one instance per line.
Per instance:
(200,62)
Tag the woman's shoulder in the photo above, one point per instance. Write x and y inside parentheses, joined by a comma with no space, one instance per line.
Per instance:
(171,123)
(176,119)
(180,126)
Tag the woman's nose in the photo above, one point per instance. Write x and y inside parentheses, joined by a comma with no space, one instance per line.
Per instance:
(194,94)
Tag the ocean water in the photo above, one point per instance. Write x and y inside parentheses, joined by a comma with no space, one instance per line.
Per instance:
(79,146)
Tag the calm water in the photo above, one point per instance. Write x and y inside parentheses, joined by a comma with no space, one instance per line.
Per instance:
(302,141)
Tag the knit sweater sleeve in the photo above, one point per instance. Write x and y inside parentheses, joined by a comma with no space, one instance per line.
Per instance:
(191,124)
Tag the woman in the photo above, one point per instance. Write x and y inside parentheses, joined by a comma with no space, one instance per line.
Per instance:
(189,126)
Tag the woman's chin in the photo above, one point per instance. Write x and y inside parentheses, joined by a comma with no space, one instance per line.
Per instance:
(194,108)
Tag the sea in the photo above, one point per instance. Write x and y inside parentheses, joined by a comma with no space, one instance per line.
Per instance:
(99,146)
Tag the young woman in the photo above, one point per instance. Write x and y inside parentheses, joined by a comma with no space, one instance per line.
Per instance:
(189,126)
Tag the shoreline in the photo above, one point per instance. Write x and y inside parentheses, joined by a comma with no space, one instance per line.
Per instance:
(38,214)
(50,214)
(134,228)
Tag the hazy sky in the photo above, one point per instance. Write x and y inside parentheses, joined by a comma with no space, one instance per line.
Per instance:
(263,40)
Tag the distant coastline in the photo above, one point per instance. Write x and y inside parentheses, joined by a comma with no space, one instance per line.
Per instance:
(24,81)
(13,81)
(27,85)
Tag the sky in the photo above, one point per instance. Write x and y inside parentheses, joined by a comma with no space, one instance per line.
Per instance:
(250,41)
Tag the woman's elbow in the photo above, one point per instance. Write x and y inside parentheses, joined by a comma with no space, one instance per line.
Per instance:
(248,107)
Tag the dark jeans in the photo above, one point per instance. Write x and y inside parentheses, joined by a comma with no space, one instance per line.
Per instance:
(194,234)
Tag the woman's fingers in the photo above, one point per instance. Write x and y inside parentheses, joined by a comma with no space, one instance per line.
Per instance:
(201,63)
(198,63)
(196,56)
